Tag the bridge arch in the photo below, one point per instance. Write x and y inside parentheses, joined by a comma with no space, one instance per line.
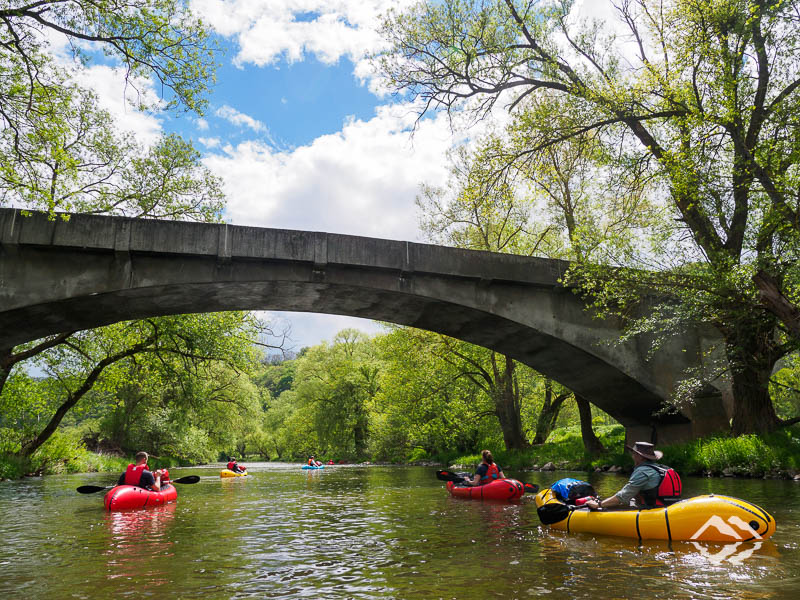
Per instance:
(90,271)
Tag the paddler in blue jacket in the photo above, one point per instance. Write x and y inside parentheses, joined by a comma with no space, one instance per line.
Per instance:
(138,474)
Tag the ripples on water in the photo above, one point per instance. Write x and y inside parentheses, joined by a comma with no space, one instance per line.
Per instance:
(356,532)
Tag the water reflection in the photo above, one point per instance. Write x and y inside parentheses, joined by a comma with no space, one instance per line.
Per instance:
(367,533)
(135,538)
(734,553)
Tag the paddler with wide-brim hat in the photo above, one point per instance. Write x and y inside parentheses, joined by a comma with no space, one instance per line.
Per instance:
(643,478)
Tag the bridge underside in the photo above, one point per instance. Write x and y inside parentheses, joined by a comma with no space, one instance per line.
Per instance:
(619,395)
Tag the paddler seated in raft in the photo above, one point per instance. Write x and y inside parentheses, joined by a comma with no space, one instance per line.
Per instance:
(312,462)
(138,474)
(487,471)
(234,466)
(650,485)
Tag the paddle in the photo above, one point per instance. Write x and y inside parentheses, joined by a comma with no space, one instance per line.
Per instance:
(91,489)
(530,488)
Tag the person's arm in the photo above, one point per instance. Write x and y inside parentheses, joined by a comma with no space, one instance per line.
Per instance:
(500,473)
(607,503)
(479,472)
(623,497)
(148,481)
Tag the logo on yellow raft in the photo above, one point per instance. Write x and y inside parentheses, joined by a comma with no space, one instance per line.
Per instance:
(720,525)
(729,551)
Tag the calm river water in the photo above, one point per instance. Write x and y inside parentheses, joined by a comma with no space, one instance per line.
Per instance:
(364,532)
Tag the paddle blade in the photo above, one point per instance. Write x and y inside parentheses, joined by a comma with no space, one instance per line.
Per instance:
(552,513)
(450,476)
(447,476)
(531,488)
(187,479)
(90,489)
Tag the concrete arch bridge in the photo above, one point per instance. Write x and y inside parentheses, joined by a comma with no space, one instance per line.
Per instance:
(89,271)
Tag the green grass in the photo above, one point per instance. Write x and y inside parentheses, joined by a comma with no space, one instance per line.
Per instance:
(564,449)
(13,467)
(753,455)
(746,455)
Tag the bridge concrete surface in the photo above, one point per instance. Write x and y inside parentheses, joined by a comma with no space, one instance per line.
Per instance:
(61,275)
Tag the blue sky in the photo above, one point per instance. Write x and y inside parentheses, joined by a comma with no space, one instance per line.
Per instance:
(299,129)
(296,102)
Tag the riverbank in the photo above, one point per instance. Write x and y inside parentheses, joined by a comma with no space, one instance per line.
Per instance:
(65,453)
(775,455)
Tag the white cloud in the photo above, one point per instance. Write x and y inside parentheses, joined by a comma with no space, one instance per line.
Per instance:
(120,97)
(269,30)
(595,9)
(239,119)
(209,142)
(310,329)
(202,124)
(360,181)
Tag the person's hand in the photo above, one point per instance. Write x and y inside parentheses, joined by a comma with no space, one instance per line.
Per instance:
(593,504)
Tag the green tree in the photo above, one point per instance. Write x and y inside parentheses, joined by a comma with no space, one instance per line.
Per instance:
(87,368)
(59,151)
(340,381)
(702,106)
(150,38)
(485,214)
(425,403)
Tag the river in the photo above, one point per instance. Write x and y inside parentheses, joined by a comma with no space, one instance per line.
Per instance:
(365,532)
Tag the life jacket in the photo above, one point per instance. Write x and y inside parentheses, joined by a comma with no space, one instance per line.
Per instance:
(312,462)
(231,466)
(492,473)
(570,490)
(668,490)
(133,473)
(164,477)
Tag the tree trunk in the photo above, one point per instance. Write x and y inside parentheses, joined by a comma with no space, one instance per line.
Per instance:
(751,354)
(507,405)
(590,440)
(547,417)
(773,299)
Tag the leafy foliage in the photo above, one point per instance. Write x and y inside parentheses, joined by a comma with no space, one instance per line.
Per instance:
(60,152)
(693,112)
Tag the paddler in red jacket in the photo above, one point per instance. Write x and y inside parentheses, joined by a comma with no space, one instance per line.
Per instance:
(487,471)
(138,474)
(235,467)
